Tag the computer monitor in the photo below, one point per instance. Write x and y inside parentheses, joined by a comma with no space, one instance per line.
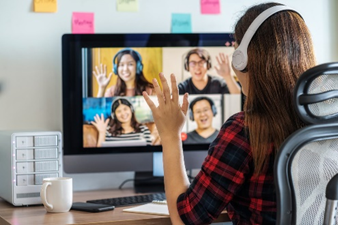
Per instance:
(93,73)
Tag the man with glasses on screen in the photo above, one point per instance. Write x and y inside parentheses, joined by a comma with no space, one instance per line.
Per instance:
(198,62)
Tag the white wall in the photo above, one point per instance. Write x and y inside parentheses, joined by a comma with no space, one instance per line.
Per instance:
(30,49)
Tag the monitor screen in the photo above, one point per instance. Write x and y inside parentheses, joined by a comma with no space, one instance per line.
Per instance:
(108,126)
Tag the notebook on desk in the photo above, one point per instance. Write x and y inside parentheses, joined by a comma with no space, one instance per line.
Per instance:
(156,208)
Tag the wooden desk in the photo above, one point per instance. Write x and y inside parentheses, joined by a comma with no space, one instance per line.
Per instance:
(10,214)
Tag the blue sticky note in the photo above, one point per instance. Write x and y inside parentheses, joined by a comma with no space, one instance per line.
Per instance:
(180,23)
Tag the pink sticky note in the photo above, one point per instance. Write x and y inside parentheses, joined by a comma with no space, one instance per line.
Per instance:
(83,23)
(210,7)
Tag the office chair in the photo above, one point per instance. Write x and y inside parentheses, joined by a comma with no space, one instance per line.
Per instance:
(308,158)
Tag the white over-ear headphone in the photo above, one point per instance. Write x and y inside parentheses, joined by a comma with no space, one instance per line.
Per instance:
(240,56)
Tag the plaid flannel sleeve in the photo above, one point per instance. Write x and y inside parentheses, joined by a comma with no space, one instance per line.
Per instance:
(222,174)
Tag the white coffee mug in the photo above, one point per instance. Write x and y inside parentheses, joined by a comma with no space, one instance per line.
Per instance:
(57,194)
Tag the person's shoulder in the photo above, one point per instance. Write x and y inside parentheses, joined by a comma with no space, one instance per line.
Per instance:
(183,86)
(193,132)
(216,79)
(184,83)
(234,130)
(238,117)
(235,121)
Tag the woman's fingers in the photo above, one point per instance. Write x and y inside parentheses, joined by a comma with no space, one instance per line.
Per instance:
(149,101)
(106,122)
(165,86)
(158,92)
(226,59)
(101,66)
(218,60)
(174,88)
(110,74)
(185,104)
(222,56)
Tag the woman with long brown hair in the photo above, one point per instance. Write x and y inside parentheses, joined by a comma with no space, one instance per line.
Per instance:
(237,174)
(122,124)
(128,66)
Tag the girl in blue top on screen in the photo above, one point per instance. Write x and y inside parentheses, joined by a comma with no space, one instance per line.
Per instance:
(198,62)
(122,125)
(127,65)
(237,174)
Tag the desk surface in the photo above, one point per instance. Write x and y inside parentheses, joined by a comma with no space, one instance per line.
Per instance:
(10,214)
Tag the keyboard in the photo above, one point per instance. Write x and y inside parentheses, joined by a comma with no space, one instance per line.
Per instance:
(130,200)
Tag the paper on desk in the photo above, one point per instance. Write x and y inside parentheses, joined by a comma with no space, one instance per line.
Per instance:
(150,208)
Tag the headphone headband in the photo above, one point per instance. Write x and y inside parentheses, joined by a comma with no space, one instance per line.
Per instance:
(240,56)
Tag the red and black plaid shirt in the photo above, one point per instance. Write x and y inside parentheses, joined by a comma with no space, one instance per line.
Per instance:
(226,181)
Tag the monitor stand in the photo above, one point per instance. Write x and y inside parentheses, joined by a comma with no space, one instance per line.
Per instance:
(145,182)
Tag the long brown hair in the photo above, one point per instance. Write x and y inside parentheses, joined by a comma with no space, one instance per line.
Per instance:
(279,52)
(115,125)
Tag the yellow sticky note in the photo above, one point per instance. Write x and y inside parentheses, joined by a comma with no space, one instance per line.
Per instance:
(45,5)
(127,5)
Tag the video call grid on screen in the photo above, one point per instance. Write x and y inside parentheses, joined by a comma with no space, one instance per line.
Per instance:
(154,60)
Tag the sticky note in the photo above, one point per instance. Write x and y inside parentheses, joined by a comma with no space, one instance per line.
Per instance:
(127,5)
(210,7)
(83,23)
(45,5)
(180,23)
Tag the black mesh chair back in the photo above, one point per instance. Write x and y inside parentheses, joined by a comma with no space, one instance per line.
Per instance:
(308,159)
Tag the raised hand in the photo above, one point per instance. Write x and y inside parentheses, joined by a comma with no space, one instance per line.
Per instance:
(101,126)
(169,116)
(100,74)
(223,69)
(100,123)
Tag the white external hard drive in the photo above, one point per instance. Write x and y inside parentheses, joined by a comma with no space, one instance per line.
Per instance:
(25,159)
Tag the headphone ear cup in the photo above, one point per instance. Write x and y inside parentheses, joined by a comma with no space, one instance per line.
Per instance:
(208,64)
(186,66)
(114,64)
(112,115)
(191,115)
(139,67)
(115,69)
(214,110)
(132,108)
(239,59)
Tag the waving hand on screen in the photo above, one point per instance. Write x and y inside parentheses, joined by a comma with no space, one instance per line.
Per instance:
(101,126)
(223,69)
(100,74)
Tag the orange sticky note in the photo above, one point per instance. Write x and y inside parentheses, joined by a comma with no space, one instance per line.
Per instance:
(83,23)
(210,7)
(45,5)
